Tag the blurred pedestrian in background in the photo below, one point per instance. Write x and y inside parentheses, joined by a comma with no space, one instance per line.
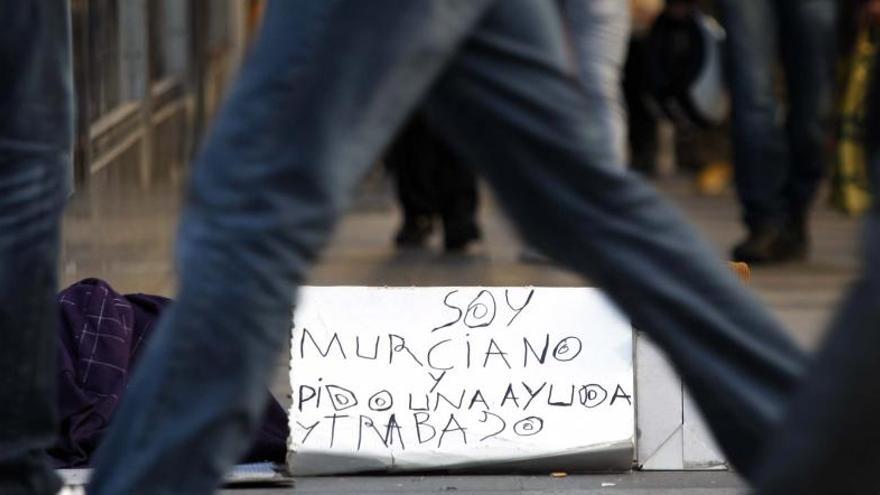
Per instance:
(36,135)
(682,79)
(859,40)
(641,120)
(500,86)
(432,182)
(778,149)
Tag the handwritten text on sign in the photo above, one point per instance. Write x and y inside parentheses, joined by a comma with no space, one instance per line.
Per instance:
(435,377)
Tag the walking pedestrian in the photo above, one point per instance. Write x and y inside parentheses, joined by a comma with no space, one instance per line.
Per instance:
(36,129)
(778,162)
(291,143)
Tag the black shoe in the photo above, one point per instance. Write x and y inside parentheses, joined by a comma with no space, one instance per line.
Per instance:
(414,232)
(458,239)
(771,244)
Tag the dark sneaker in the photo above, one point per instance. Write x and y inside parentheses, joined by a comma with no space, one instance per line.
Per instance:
(770,244)
(458,239)
(414,232)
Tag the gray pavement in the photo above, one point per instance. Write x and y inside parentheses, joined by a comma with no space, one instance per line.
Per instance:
(656,483)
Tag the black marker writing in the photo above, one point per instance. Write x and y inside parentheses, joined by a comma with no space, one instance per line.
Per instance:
(449,429)
(454,405)
(397,344)
(421,419)
(551,402)
(381,401)
(325,352)
(532,393)
(496,352)
(413,408)
(509,395)
(430,355)
(592,395)
(436,380)
(519,309)
(481,311)
(486,415)
(620,394)
(309,430)
(567,349)
(527,347)
(528,426)
(446,303)
(390,429)
(478,397)
(333,419)
(366,421)
(357,351)
(303,398)
(340,397)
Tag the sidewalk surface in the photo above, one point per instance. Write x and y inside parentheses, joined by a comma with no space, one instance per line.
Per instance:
(123,232)
(657,483)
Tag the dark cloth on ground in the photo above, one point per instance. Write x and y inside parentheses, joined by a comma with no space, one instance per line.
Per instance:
(102,334)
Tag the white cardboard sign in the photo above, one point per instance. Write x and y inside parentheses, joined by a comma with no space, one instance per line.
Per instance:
(392,379)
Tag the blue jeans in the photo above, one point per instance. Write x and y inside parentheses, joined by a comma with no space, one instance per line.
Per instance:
(36,122)
(324,88)
(778,166)
(599,32)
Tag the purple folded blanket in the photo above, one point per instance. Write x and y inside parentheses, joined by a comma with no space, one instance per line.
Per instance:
(102,335)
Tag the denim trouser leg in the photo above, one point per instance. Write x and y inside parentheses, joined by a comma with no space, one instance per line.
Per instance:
(599,31)
(760,154)
(807,37)
(35,138)
(528,129)
(778,168)
(321,93)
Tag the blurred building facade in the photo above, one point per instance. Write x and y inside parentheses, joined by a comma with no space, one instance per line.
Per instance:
(149,75)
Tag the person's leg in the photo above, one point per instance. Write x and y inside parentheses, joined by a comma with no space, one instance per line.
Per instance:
(598,35)
(599,31)
(807,37)
(512,106)
(321,93)
(828,443)
(457,195)
(414,181)
(641,122)
(260,208)
(36,119)
(759,151)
